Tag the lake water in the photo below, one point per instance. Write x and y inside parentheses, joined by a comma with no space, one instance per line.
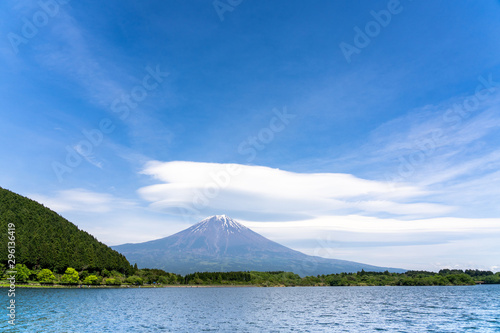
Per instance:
(300,309)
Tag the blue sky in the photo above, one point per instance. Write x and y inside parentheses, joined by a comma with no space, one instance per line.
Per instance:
(136,120)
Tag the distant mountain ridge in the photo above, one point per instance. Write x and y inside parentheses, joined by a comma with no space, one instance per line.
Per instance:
(220,244)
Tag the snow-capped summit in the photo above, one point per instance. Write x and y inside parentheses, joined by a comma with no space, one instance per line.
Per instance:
(220,223)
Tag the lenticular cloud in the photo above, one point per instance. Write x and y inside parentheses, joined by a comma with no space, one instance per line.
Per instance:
(206,187)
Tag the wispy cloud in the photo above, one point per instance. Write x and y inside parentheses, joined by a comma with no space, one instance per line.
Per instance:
(91,158)
(82,200)
(433,133)
(70,54)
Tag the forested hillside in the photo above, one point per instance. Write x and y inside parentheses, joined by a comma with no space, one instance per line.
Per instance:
(44,239)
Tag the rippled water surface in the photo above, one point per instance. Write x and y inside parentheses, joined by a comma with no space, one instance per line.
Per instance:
(304,309)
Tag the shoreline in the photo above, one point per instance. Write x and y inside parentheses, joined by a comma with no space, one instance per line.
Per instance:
(38,286)
(84,286)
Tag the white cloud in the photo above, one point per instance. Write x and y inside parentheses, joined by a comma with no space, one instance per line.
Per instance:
(373,225)
(475,166)
(82,200)
(241,189)
(421,244)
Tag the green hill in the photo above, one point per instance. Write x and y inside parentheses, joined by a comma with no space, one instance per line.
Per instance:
(44,239)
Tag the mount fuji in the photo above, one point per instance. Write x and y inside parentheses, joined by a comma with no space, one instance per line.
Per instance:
(220,244)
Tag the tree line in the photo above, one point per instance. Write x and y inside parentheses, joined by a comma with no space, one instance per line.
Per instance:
(71,276)
(145,276)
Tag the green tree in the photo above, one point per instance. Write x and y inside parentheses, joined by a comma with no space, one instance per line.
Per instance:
(70,276)
(163,280)
(492,279)
(113,282)
(84,274)
(91,279)
(23,273)
(134,279)
(45,276)
(116,274)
